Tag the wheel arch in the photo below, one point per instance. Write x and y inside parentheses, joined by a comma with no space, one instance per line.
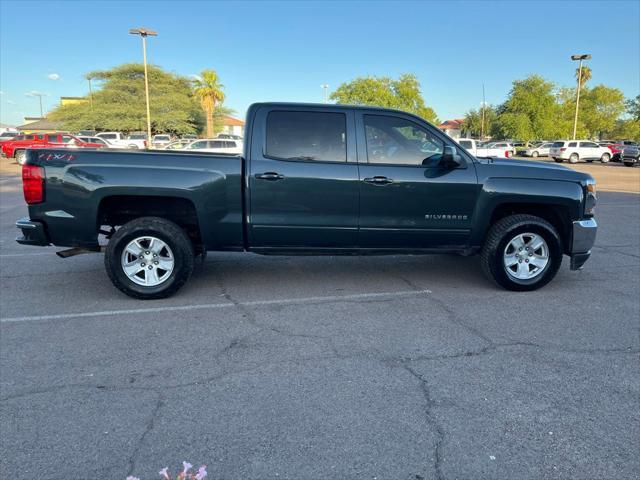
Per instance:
(556,214)
(558,202)
(116,210)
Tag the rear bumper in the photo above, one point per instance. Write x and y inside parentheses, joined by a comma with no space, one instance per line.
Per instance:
(582,240)
(33,233)
(631,159)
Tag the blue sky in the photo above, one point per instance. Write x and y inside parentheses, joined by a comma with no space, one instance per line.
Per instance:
(286,50)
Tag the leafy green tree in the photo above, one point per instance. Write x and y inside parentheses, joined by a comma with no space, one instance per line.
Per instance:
(633,107)
(472,125)
(627,130)
(119,103)
(210,92)
(530,111)
(402,94)
(600,107)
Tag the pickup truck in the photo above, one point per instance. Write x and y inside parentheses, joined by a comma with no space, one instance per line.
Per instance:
(119,140)
(312,180)
(503,150)
(18,146)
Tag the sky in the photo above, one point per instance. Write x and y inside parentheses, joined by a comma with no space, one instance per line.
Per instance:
(285,51)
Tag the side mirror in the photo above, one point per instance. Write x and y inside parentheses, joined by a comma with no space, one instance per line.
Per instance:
(450,158)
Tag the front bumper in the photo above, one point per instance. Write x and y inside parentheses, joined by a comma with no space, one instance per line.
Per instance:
(582,240)
(33,233)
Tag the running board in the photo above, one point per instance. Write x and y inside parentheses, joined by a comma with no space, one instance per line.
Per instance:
(72,252)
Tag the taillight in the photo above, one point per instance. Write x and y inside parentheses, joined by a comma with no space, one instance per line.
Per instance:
(33,184)
(145,144)
(506,154)
(563,149)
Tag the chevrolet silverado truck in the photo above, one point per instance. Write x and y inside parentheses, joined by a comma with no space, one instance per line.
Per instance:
(312,180)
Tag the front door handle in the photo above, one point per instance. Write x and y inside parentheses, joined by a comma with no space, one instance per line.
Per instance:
(378,180)
(272,176)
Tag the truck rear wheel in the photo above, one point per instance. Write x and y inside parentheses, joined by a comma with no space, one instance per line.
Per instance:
(521,252)
(149,258)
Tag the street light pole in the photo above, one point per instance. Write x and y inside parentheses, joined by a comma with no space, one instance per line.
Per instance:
(325,87)
(144,33)
(482,123)
(575,119)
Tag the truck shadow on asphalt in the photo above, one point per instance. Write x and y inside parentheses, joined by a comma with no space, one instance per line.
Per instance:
(319,273)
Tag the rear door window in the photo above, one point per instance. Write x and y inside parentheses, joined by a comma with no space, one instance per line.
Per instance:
(573,144)
(319,136)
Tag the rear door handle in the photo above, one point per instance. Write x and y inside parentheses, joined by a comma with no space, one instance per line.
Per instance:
(378,180)
(272,176)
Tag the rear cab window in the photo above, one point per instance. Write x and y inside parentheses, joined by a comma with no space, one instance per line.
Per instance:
(306,136)
(466,144)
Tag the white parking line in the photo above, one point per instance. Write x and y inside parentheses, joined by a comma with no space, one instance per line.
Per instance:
(210,306)
(25,254)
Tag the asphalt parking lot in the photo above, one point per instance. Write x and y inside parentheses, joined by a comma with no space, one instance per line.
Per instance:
(322,368)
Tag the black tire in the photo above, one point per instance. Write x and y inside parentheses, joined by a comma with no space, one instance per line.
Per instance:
(629,164)
(174,236)
(498,237)
(574,158)
(557,160)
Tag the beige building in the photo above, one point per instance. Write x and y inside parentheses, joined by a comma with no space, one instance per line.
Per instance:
(233,126)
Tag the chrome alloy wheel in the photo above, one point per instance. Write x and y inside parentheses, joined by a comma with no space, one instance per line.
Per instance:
(526,256)
(147,261)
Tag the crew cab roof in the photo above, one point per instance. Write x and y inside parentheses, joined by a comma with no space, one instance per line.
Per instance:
(327,106)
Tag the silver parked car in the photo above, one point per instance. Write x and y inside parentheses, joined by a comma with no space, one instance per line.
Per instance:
(540,151)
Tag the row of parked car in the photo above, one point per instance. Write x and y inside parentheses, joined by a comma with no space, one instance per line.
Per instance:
(14,145)
(572,151)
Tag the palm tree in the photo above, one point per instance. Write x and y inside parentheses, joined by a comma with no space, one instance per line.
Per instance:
(586,75)
(209,91)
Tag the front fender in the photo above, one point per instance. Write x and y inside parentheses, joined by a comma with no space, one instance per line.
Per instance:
(496,192)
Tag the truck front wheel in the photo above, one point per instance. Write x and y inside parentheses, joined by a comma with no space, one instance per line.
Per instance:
(149,258)
(521,252)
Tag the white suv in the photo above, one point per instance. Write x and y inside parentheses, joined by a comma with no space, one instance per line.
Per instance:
(575,150)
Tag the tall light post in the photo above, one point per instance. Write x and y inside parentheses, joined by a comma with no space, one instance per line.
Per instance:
(325,87)
(144,33)
(581,58)
(483,107)
(39,95)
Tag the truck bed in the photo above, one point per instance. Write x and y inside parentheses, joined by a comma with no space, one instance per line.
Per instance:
(80,183)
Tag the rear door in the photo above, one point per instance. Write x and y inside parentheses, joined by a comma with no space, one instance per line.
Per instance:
(407,198)
(303,178)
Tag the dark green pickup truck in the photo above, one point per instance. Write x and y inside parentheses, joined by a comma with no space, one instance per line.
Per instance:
(314,179)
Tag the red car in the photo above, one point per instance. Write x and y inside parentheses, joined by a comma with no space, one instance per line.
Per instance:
(17,147)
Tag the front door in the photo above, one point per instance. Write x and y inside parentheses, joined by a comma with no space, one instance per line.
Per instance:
(303,179)
(407,198)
